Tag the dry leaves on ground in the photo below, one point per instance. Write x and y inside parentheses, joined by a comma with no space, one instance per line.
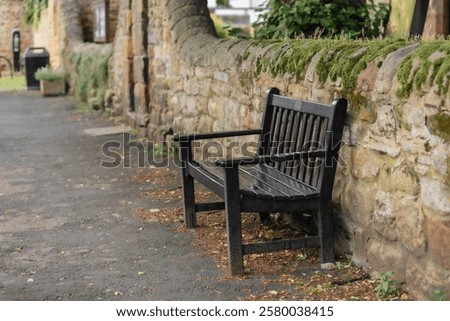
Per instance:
(297,272)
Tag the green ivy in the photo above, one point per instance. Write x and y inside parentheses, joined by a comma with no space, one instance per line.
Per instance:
(33,10)
(306,18)
(90,78)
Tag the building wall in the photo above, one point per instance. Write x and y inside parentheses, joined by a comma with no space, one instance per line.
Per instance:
(14,10)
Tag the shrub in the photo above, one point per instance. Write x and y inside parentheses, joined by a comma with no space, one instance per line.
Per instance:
(47,74)
(306,18)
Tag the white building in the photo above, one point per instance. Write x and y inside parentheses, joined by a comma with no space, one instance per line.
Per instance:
(242,12)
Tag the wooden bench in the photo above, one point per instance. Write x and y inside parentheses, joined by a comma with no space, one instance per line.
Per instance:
(293,172)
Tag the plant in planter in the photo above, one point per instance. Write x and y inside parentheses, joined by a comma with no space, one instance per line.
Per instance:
(52,81)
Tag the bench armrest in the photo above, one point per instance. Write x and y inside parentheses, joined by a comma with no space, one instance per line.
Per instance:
(191,137)
(270,158)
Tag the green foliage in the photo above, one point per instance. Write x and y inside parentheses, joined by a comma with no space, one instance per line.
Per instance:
(33,10)
(342,59)
(165,149)
(439,124)
(15,83)
(421,68)
(224,30)
(386,286)
(223,3)
(306,18)
(90,77)
(48,74)
(438,295)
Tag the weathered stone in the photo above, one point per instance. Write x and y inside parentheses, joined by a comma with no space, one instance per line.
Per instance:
(384,256)
(413,116)
(410,226)
(221,76)
(403,178)
(356,202)
(435,195)
(389,68)
(142,120)
(140,98)
(367,78)
(385,125)
(365,164)
(383,145)
(423,277)
(384,216)
(139,39)
(140,69)
(439,242)
(311,70)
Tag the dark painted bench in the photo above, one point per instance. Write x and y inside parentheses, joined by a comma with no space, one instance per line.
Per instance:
(294,172)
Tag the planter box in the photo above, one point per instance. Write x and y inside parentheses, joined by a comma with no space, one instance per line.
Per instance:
(53,88)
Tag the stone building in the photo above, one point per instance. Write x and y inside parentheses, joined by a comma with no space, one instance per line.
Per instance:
(12,12)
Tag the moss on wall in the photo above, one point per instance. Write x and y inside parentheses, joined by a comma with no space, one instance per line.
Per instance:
(90,78)
(439,125)
(339,58)
(429,64)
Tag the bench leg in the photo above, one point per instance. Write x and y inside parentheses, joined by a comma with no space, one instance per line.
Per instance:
(264,217)
(190,218)
(233,220)
(326,234)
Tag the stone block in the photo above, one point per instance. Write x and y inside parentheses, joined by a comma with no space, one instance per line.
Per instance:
(365,164)
(411,226)
(435,195)
(359,242)
(140,98)
(384,216)
(423,277)
(358,201)
(139,39)
(367,78)
(402,177)
(138,9)
(140,69)
(439,242)
(388,70)
(384,256)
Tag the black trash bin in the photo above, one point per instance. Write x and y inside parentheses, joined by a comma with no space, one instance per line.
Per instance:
(35,58)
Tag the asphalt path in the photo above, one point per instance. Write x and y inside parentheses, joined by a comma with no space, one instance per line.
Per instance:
(67,228)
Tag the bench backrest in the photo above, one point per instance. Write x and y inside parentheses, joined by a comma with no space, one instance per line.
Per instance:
(291,125)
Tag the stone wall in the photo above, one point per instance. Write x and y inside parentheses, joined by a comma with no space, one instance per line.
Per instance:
(392,195)
(70,22)
(14,10)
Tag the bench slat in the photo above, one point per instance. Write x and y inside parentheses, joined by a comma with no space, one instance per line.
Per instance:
(263,181)
(290,186)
